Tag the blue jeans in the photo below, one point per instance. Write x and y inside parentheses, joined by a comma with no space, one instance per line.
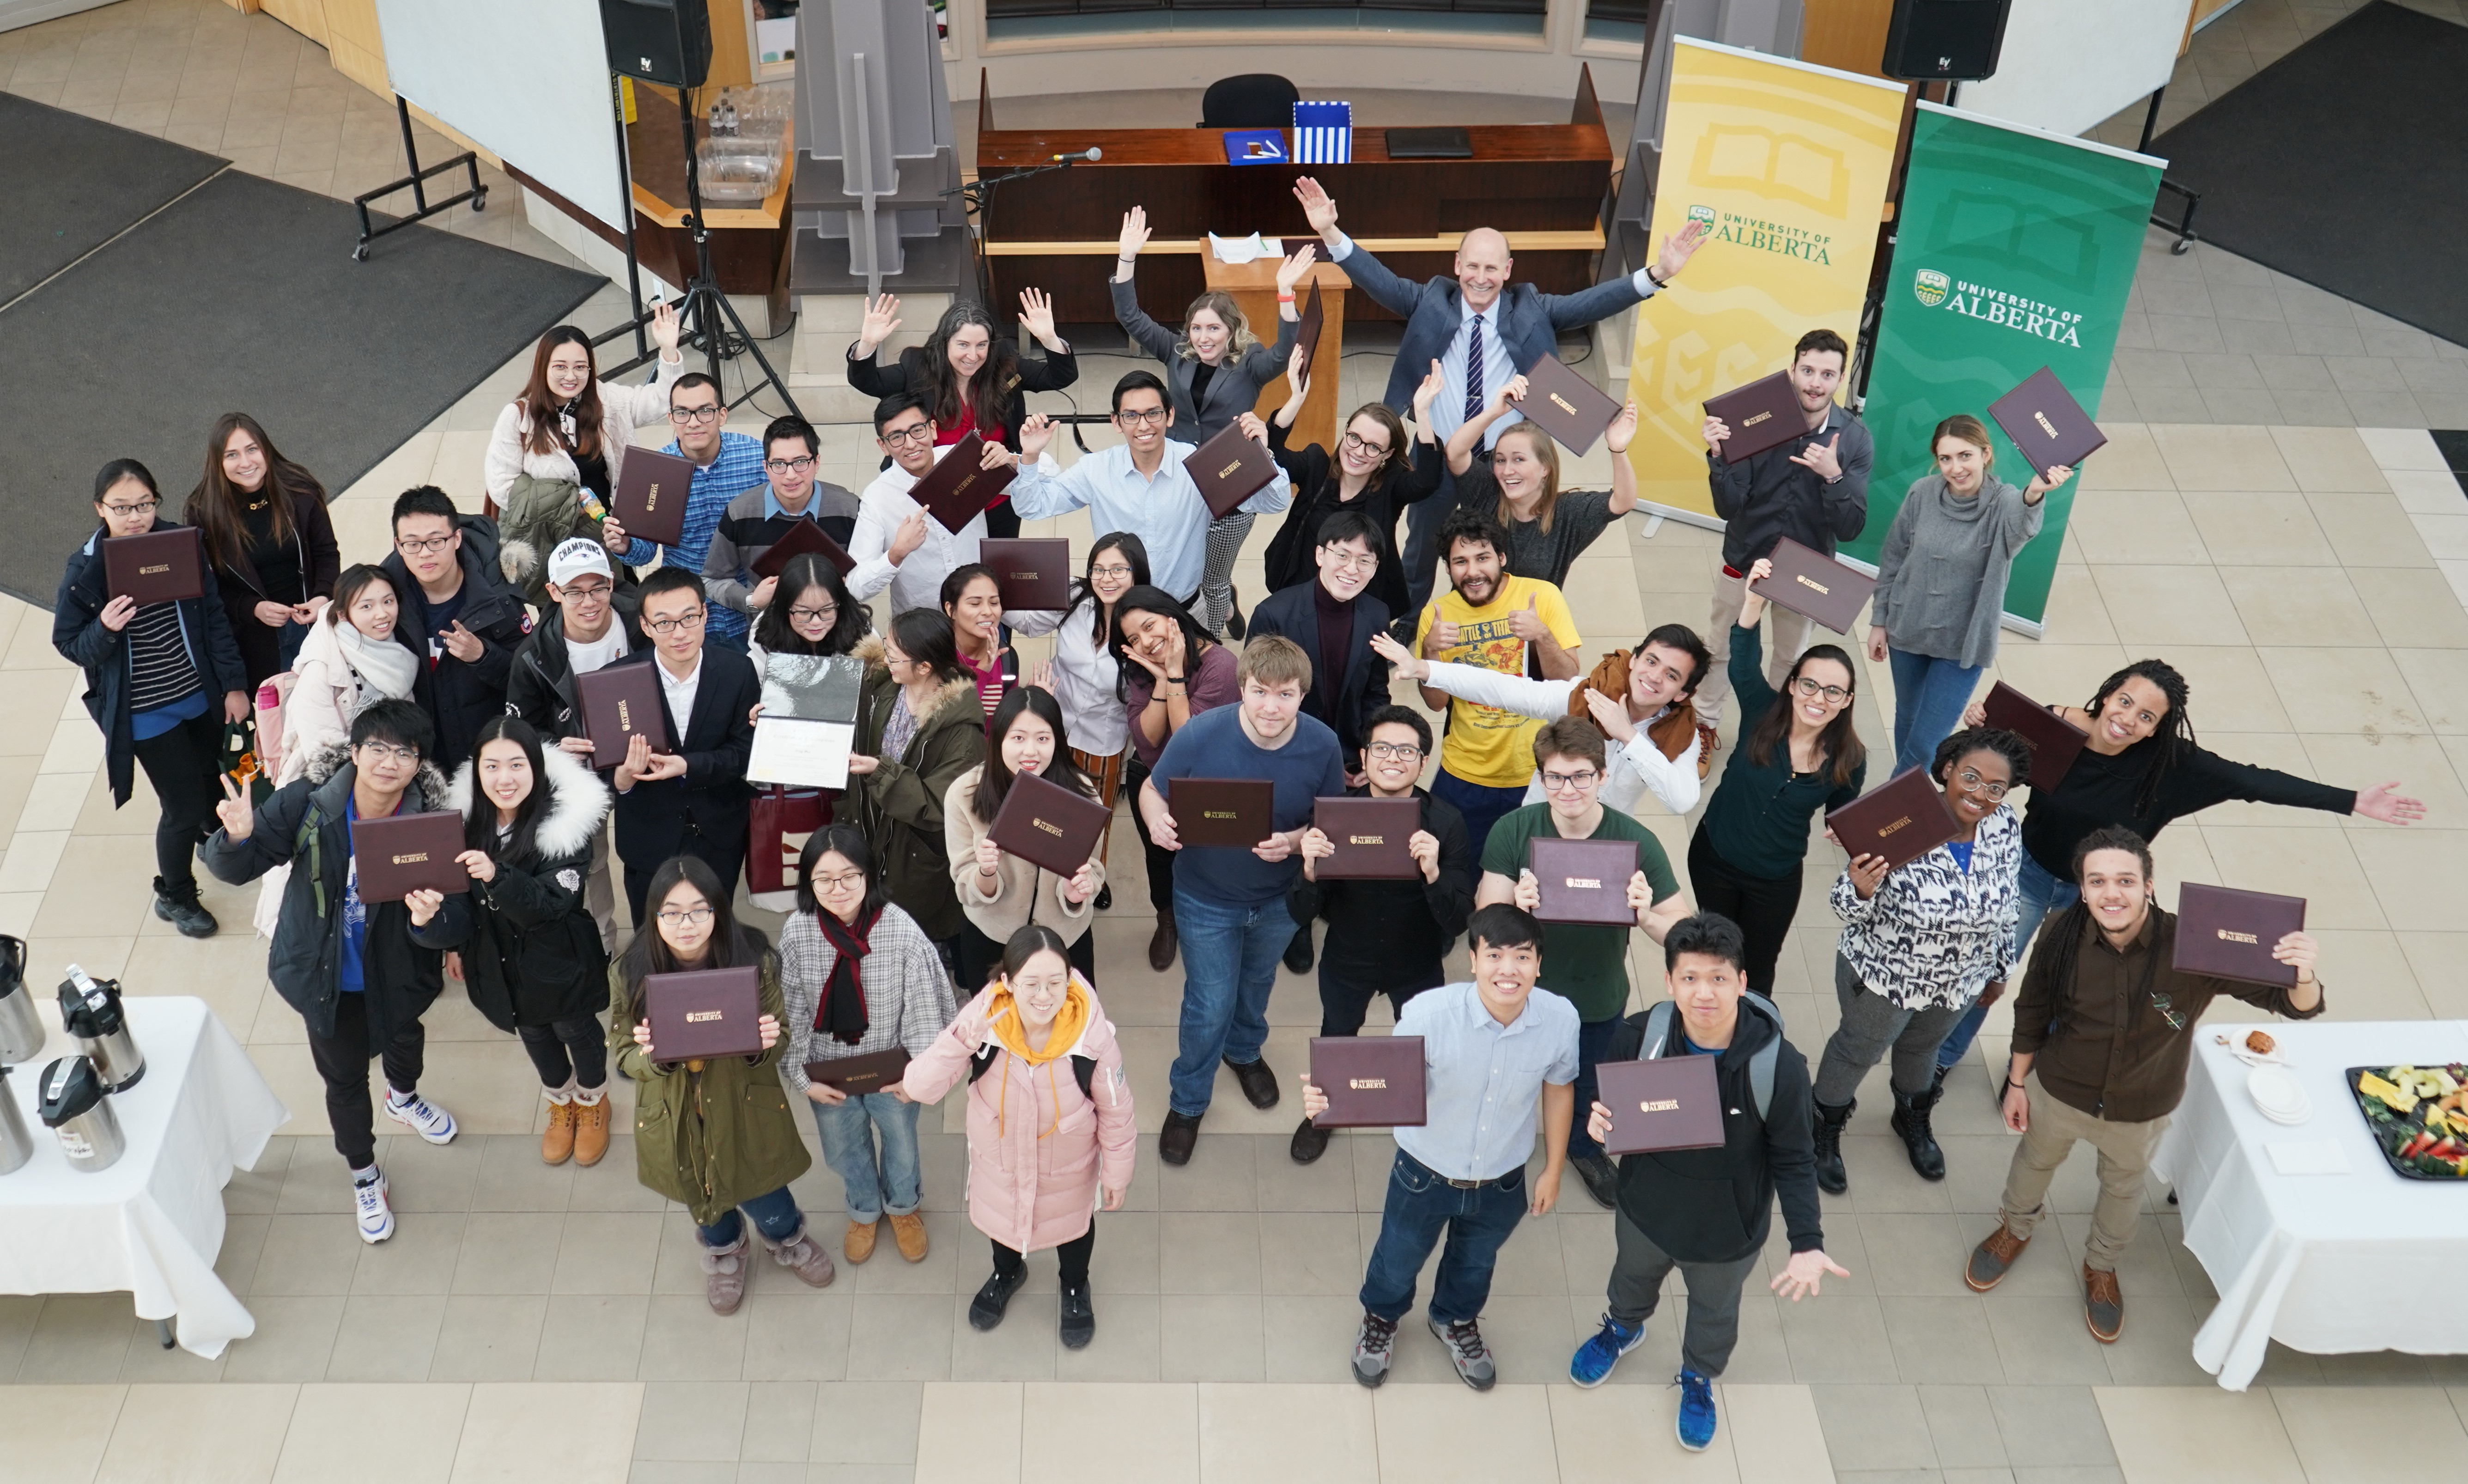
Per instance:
(1230,963)
(2042,893)
(875,1183)
(1593,1041)
(1929,694)
(1482,805)
(775,1214)
(738,641)
(1421,1207)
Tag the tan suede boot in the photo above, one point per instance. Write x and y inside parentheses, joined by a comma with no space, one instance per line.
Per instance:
(556,1145)
(590,1129)
(858,1244)
(909,1232)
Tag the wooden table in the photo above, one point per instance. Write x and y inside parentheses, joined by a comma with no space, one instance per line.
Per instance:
(1254,288)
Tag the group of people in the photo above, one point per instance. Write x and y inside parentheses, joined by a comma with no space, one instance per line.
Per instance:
(443,678)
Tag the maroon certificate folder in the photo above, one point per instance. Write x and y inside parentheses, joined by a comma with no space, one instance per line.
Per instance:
(1810,582)
(1230,468)
(1370,836)
(1050,827)
(704,1013)
(803,537)
(1900,820)
(159,566)
(1763,414)
(1584,881)
(1307,332)
(1033,572)
(618,702)
(2054,741)
(2230,933)
(409,852)
(2047,425)
(650,500)
(1372,1081)
(1670,1103)
(958,488)
(876,1071)
(1571,409)
(1237,811)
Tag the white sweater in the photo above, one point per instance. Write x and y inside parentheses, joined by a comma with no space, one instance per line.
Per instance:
(1637,766)
(1084,678)
(622,410)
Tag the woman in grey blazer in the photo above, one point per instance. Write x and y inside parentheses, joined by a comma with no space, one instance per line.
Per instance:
(1214,371)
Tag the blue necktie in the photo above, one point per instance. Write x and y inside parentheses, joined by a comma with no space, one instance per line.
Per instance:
(1473,369)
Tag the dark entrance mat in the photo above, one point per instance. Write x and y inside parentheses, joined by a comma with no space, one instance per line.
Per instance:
(71,182)
(2344,164)
(244,296)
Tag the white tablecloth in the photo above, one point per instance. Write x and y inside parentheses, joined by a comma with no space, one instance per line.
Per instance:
(154,1221)
(2326,1263)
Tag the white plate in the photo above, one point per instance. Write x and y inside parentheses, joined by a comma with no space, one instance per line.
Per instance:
(2279,1094)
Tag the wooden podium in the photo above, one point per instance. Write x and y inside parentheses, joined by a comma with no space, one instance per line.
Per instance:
(1254,288)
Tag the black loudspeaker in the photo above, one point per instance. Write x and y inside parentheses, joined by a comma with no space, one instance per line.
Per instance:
(1955,39)
(658,40)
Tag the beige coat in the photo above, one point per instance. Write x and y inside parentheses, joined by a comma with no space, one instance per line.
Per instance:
(622,410)
(1007,908)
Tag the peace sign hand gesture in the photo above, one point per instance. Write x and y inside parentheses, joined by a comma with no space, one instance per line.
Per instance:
(238,818)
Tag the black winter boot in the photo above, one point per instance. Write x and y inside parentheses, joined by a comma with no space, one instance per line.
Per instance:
(1831,1177)
(1910,1119)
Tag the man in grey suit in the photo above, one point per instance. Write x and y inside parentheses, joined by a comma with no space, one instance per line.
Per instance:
(1477,319)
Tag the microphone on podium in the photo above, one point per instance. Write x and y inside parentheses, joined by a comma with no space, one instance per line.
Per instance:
(1089,155)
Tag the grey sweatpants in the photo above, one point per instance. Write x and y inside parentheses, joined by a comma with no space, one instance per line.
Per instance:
(1713,1329)
(1871,1025)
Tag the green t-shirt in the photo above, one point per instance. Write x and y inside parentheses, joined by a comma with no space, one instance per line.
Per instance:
(1589,966)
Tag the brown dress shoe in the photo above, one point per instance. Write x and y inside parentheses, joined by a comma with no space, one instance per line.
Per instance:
(2103,1305)
(858,1244)
(1991,1258)
(908,1232)
(590,1132)
(556,1145)
(1707,742)
(1162,946)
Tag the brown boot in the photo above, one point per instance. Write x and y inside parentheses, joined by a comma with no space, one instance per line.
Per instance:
(804,1256)
(1163,943)
(1990,1260)
(591,1129)
(724,1275)
(909,1232)
(858,1244)
(1708,743)
(556,1145)
(2103,1305)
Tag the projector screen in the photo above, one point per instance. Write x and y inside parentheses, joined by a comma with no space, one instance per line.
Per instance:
(2066,64)
(528,80)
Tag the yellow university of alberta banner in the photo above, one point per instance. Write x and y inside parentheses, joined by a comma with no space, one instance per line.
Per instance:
(1786,162)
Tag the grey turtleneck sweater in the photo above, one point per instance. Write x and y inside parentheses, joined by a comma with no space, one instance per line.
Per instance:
(1941,577)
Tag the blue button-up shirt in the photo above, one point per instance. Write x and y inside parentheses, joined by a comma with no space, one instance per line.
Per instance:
(1483,1080)
(1166,512)
(738,469)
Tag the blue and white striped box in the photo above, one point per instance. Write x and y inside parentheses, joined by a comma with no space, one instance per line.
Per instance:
(1324,133)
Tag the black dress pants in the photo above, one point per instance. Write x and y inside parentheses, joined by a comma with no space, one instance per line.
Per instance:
(1762,905)
(185,766)
(343,1062)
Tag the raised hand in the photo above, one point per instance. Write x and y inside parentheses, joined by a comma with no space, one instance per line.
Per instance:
(1679,248)
(1295,379)
(1037,315)
(1623,429)
(1433,383)
(1035,433)
(2057,474)
(1296,268)
(881,320)
(238,819)
(1405,662)
(1510,395)
(1753,601)
(664,329)
(1317,209)
(1820,458)
(1135,234)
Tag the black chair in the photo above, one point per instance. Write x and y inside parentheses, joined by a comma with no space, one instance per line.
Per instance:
(1255,100)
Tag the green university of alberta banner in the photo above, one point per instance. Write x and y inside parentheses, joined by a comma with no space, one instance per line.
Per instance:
(2016,251)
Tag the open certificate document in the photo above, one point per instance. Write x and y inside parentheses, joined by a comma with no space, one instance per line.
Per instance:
(801,754)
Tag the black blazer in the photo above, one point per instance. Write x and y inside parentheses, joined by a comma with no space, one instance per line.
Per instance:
(1312,471)
(1235,388)
(654,817)
(914,375)
(1362,689)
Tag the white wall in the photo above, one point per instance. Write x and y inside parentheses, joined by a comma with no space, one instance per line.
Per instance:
(2067,65)
(14,13)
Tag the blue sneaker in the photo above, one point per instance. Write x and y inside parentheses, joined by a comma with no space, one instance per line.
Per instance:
(1695,1410)
(1591,1366)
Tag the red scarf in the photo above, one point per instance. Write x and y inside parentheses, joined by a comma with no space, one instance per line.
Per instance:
(842,1010)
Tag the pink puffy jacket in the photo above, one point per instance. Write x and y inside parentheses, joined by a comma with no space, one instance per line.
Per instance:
(1038,1147)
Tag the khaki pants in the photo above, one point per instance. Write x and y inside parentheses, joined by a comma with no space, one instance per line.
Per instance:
(1788,635)
(2124,1157)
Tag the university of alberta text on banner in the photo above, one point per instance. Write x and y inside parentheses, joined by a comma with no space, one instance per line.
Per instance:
(2016,250)
(1786,163)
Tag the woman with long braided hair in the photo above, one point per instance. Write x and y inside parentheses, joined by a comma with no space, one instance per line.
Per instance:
(2143,769)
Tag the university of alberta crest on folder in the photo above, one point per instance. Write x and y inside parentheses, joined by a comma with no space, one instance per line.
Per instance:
(1324,133)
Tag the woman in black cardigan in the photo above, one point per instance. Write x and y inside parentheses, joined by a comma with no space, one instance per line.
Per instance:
(971,379)
(1373,469)
(269,540)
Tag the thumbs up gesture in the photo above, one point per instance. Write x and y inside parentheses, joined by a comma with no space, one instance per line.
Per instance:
(1527,624)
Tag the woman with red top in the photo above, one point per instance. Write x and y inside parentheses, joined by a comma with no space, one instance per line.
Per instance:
(971,379)
(973,601)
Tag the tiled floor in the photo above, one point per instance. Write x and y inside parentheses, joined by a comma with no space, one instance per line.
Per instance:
(528,1321)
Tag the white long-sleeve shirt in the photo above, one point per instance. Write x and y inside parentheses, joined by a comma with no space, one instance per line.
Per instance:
(1084,678)
(916,583)
(1637,766)
(1166,512)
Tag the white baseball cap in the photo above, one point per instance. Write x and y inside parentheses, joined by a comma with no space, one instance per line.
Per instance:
(576,555)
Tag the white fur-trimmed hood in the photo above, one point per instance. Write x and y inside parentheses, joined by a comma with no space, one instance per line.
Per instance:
(954,692)
(577,801)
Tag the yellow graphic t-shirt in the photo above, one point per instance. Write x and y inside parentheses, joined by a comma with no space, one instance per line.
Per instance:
(1485,745)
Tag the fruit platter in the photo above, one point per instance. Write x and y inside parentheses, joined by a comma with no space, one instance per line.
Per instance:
(2418,1116)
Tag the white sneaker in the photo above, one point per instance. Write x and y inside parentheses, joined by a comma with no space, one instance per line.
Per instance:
(422,1117)
(376,1214)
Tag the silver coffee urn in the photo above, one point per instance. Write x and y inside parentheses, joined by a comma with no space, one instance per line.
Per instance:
(21,1028)
(80,1116)
(90,1011)
(16,1144)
